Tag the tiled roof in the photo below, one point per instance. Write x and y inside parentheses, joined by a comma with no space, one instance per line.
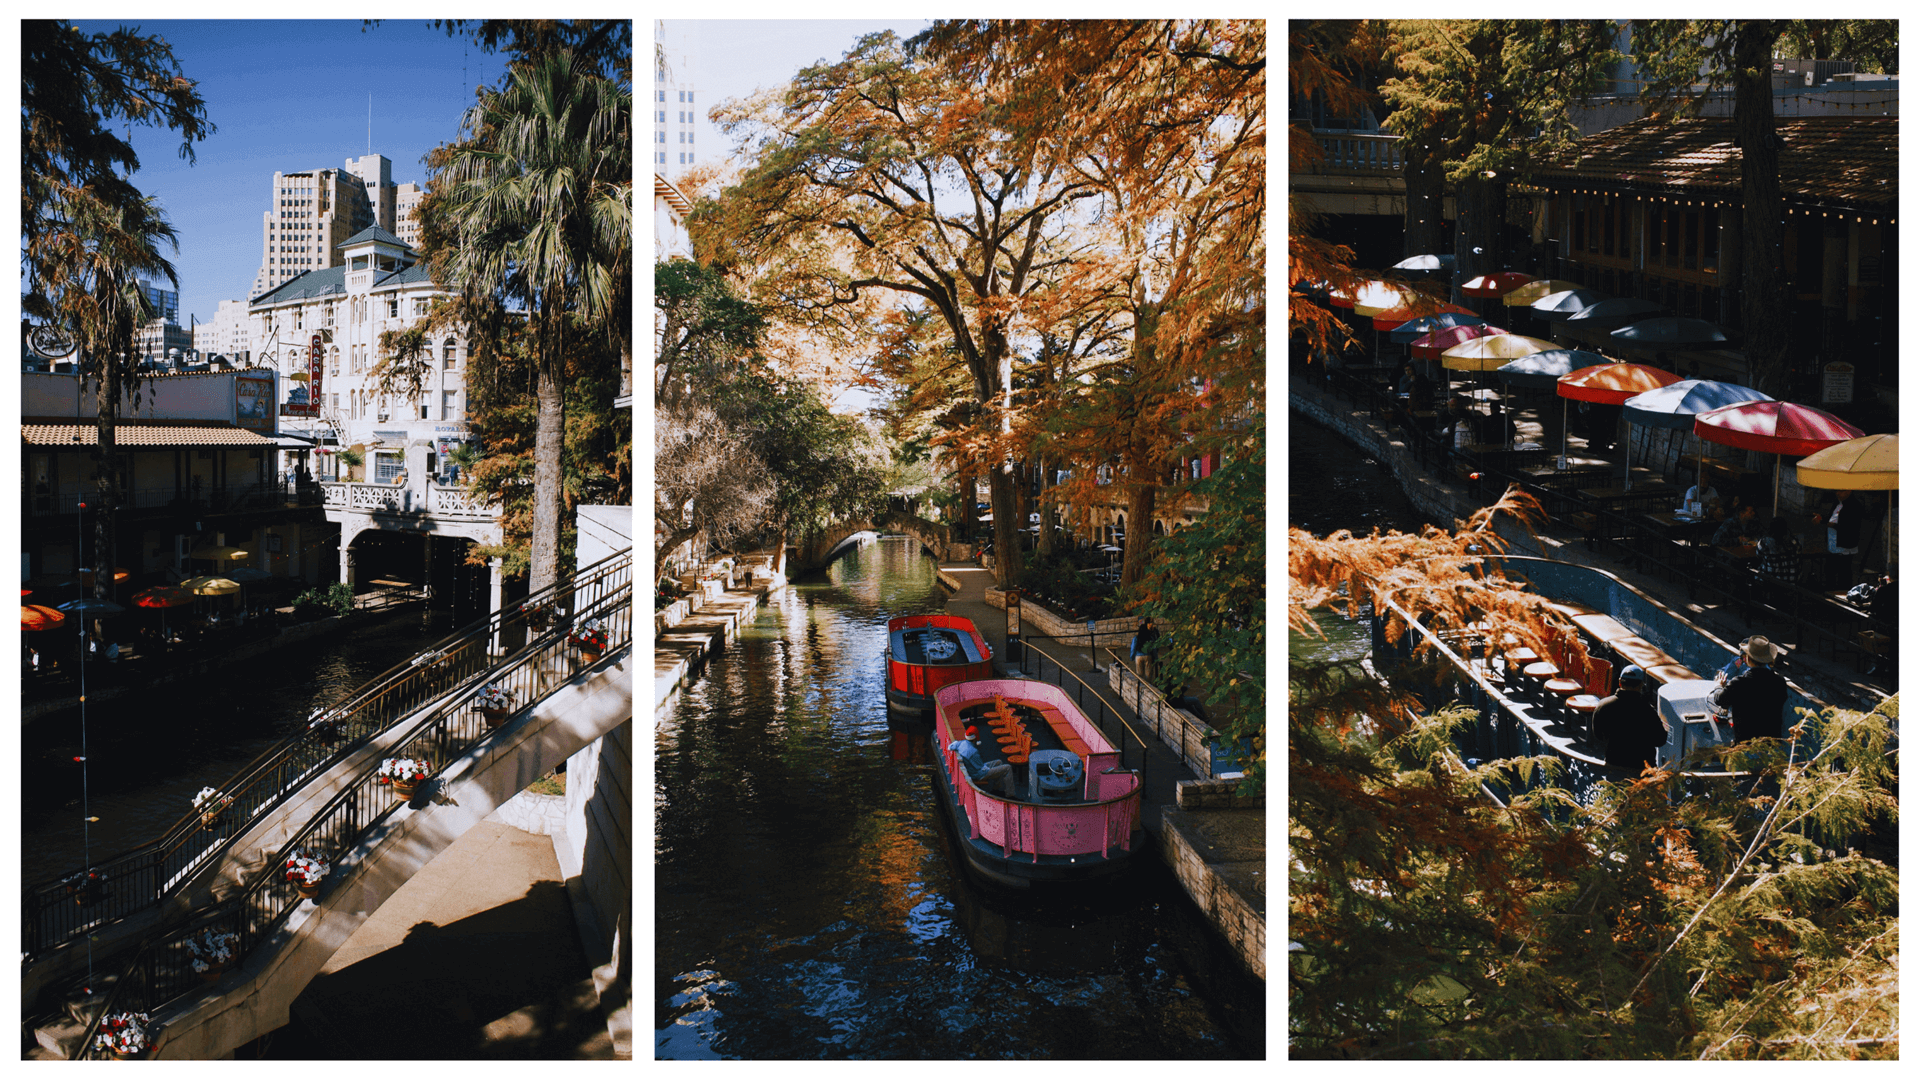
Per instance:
(133,433)
(372,232)
(332,281)
(1825,160)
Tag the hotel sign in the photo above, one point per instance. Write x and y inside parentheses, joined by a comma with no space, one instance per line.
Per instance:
(314,357)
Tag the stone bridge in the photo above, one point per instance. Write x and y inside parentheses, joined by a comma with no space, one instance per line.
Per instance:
(820,550)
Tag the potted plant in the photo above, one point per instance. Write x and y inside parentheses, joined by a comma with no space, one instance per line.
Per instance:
(538,615)
(494,703)
(591,640)
(307,868)
(125,1035)
(213,951)
(212,805)
(404,774)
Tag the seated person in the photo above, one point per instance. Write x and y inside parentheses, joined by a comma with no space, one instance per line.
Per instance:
(989,777)
(1738,529)
(1699,494)
(1780,551)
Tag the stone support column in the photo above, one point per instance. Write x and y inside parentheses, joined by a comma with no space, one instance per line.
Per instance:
(494,589)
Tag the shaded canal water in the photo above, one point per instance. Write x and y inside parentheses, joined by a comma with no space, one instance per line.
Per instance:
(150,750)
(808,905)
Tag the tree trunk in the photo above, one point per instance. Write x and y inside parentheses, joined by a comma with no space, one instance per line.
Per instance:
(1043,541)
(1763,300)
(105,476)
(780,553)
(548,442)
(1426,201)
(1482,206)
(964,527)
(1140,503)
(1006,536)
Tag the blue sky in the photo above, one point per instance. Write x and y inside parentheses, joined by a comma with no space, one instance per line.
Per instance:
(288,96)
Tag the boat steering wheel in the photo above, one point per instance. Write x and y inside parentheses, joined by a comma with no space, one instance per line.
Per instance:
(939,648)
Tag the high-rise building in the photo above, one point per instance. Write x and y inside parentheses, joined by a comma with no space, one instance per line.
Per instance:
(406,198)
(674,108)
(166,302)
(313,212)
(226,335)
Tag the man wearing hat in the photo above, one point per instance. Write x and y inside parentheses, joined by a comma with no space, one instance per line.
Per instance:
(1756,698)
(989,777)
(1628,724)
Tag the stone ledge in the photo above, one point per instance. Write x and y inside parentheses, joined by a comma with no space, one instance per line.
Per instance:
(1215,795)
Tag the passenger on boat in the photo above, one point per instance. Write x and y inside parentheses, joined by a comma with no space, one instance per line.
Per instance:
(992,777)
(1628,724)
(1756,699)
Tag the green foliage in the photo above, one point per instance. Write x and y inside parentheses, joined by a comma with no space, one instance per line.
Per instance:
(825,467)
(706,330)
(1207,592)
(336,598)
(1058,583)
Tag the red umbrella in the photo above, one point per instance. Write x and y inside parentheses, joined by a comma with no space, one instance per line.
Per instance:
(1430,346)
(1774,427)
(1387,320)
(163,596)
(1500,284)
(1606,384)
(35,617)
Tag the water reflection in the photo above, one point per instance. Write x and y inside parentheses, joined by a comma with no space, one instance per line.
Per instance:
(808,907)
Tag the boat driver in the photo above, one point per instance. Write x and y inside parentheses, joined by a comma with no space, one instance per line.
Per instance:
(988,776)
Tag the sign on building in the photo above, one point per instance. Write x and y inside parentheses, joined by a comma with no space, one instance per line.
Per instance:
(1836,383)
(253,402)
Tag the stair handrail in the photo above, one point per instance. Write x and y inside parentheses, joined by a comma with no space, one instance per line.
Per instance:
(268,900)
(146,874)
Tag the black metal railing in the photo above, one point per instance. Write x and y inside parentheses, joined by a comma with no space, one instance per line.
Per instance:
(56,913)
(161,969)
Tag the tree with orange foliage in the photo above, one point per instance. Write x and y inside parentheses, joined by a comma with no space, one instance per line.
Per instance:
(1653,917)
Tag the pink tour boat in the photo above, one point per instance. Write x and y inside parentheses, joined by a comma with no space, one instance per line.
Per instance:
(1047,799)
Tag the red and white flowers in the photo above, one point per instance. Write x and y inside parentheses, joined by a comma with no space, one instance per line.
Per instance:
(592,636)
(493,697)
(404,770)
(123,1033)
(307,867)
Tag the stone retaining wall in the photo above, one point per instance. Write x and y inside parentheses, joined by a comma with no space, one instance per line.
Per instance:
(1036,620)
(1244,927)
(1180,730)
(1215,795)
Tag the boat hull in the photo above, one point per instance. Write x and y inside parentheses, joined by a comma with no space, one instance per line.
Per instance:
(1032,833)
(917,665)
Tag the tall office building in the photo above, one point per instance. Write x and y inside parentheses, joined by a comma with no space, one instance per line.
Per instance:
(166,302)
(674,106)
(313,212)
(406,198)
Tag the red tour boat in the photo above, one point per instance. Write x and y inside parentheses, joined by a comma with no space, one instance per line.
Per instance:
(1052,801)
(926,652)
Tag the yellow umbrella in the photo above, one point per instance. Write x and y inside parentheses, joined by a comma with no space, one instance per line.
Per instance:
(1535,290)
(210,586)
(1492,351)
(1868,463)
(218,553)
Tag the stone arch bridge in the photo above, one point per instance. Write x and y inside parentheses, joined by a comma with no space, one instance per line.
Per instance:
(818,551)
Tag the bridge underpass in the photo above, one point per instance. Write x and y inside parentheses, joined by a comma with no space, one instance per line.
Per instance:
(824,548)
(315,792)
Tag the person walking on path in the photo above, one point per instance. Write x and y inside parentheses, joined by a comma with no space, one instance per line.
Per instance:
(1628,724)
(1756,698)
(1146,642)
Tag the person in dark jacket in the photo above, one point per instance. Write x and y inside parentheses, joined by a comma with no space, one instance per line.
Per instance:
(1755,699)
(1628,724)
(1843,537)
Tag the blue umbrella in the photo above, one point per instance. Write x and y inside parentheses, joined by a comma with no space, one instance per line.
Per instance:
(1427,324)
(1676,405)
(1542,370)
(1670,333)
(1425,262)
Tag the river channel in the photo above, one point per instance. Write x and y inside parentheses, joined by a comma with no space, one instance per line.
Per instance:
(808,905)
(151,749)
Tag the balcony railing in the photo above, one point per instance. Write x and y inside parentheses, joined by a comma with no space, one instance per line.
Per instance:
(1345,152)
(440,500)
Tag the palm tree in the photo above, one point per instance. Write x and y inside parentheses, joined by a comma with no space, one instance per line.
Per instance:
(532,212)
(99,250)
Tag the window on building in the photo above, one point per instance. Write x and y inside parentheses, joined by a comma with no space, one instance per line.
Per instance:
(446,355)
(335,403)
(386,466)
(419,307)
(449,404)
(663,95)
(393,307)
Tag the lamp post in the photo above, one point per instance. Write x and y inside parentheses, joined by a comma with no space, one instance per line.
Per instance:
(1013,626)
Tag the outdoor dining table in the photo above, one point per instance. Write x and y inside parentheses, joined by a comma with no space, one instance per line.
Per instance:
(1676,527)
(1651,491)
(1690,720)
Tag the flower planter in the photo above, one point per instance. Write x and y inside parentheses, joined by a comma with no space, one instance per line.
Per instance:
(495,717)
(310,892)
(212,974)
(589,657)
(405,788)
(211,819)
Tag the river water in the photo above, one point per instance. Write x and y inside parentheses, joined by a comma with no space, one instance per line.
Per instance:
(808,905)
(150,750)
